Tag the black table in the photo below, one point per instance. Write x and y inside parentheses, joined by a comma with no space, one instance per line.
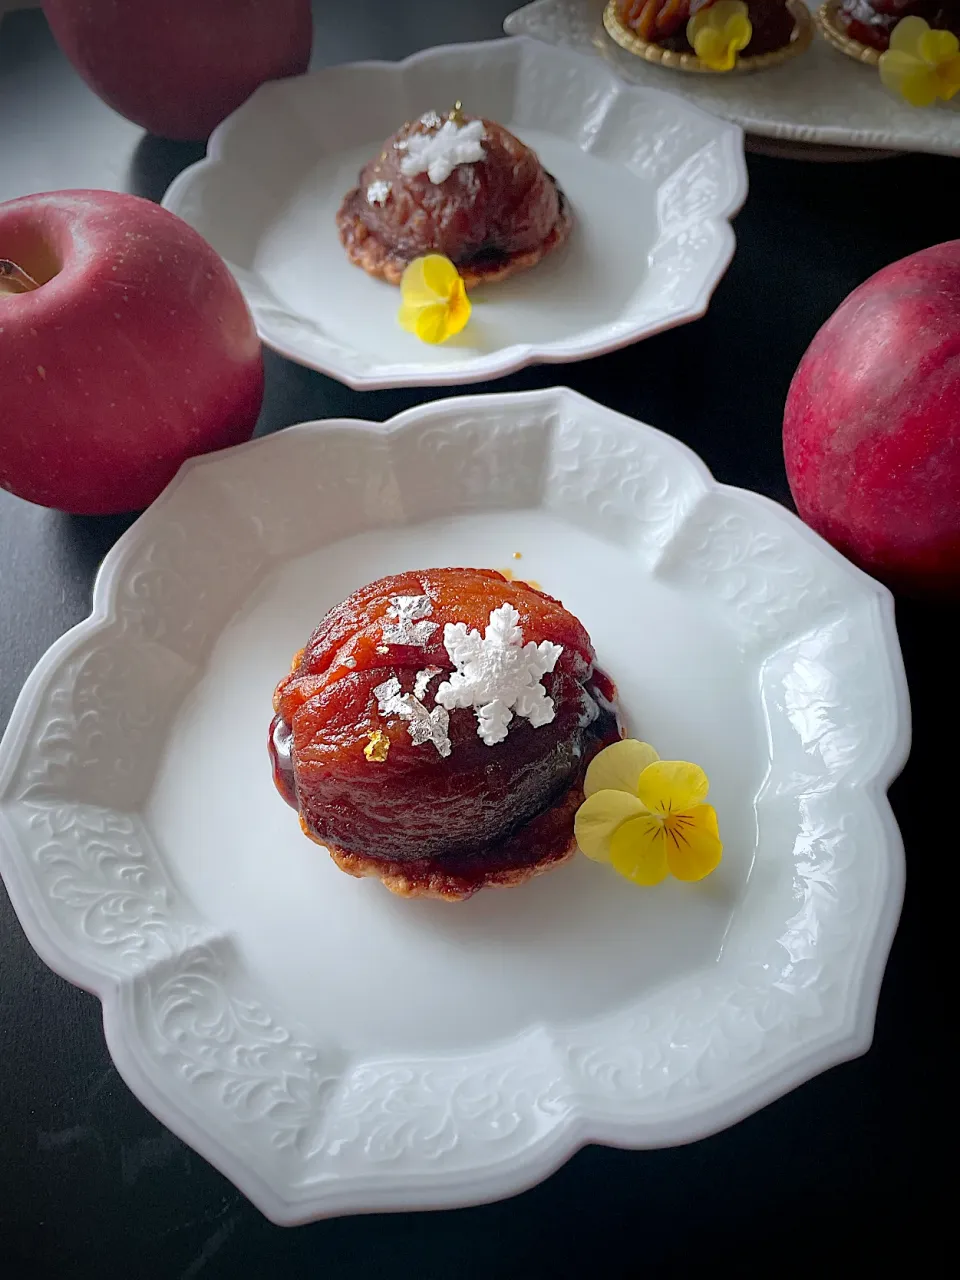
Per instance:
(91,1184)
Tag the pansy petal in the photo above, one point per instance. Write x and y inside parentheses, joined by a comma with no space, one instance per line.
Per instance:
(407,317)
(713,50)
(439,274)
(638,850)
(739,31)
(718,49)
(694,848)
(433,323)
(598,818)
(413,286)
(937,47)
(723,11)
(907,34)
(919,90)
(908,76)
(670,786)
(716,16)
(618,767)
(948,74)
(458,308)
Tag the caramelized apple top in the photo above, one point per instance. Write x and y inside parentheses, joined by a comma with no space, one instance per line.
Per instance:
(500,205)
(349,642)
(365,781)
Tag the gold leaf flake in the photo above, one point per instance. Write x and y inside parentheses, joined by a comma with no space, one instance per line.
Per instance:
(378,748)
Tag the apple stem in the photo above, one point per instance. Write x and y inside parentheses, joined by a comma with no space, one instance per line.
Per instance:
(10,272)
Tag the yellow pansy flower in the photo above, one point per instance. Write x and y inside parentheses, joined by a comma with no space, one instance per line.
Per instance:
(435,305)
(718,33)
(646,816)
(922,64)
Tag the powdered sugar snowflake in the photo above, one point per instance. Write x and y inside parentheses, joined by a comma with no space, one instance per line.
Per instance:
(404,628)
(378,191)
(498,674)
(438,154)
(422,725)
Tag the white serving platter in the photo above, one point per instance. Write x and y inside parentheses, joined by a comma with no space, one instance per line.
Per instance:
(821,97)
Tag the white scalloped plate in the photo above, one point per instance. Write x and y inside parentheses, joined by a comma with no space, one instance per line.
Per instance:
(823,97)
(652,182)
(333,1048)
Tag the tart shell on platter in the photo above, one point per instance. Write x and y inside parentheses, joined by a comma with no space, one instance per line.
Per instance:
(829,21)
(861,29)
(493,213)
(782,29)
(435,731)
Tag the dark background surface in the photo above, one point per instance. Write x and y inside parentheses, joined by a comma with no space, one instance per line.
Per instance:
(91,1184)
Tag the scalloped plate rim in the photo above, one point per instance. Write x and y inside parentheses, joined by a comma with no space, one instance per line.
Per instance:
(542,1158)
(497,364)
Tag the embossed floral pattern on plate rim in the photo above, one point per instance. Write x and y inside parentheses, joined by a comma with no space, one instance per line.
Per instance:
(305,1134)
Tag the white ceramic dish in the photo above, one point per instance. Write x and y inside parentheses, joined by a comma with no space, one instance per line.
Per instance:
(821,97)
(652,182)
(333,1048)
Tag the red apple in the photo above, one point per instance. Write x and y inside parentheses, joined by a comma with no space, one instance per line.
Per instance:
(179,67)
(134,351)
(871,431)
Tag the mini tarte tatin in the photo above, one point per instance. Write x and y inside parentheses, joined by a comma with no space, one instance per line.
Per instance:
(459,186)
(712,36)
(871,22)
(436,728)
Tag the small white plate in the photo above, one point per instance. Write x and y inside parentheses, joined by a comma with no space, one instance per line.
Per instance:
(820,97)
(333,1048)
(652,183)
